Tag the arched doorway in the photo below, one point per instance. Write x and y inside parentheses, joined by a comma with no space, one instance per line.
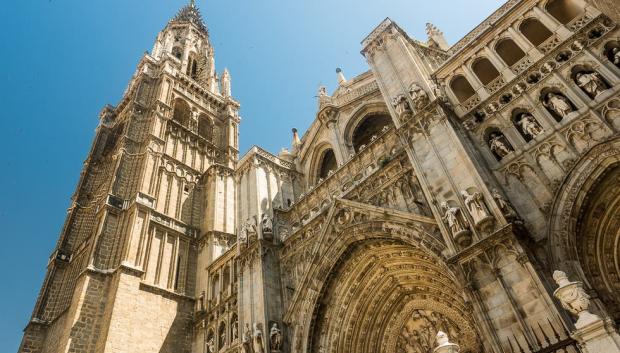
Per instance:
(584,232)
(387,296)
(598,234)
(379,286)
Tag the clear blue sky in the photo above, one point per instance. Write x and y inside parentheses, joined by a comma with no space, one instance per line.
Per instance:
(62,61)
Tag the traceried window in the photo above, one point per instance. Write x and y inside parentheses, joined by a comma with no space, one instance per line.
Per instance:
(181,112)
(205,127)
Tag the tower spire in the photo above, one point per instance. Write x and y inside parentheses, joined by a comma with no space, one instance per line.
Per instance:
(190,13)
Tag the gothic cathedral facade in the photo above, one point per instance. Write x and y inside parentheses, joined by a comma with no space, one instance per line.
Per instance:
(451,198)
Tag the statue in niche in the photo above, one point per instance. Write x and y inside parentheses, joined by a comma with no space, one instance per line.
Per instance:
(222,338)
(529,125)
(455,220)
(258,340)
(401,105)
(476,207)
(591,83)
(235,329)
(246,340)
(503,204)
(250,228)
(499,145)
(266,224)
(615,55)
(418,96)
(275,338)
(558,104)
(211,345)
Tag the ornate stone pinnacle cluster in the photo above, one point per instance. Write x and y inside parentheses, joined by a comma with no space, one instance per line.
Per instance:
(191,13)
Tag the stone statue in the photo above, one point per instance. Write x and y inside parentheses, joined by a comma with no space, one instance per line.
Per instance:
(235,329)
(615,53)
(275,338)
(400,104)
(498,145)
(503,204)
(453,217)
(591,83)
(246,340)
(257,340)
(476,207)
(574,299)
(418,96)
(322,91)
(558,104)
(222,338)
(243,234)
(266,224)
(211,345)
(250,227)
(444,345)
(530,126)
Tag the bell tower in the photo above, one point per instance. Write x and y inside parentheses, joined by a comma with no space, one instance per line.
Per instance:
(153,207)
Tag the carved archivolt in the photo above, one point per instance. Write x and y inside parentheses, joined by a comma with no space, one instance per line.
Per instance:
(579,230)
(366,270)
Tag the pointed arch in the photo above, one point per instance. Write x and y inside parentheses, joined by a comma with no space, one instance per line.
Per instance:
(345,292)
(583,224)
(181,112)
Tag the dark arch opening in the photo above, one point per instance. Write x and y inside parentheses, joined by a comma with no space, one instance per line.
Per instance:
(182,112)
(563,10)
(534,31)
(484,70)
(205,127)
(461,88)
(372,125)
(509,51)
(328,163)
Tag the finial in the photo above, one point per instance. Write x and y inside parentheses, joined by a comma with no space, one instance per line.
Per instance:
(341,78)
(296,140)
(436,37)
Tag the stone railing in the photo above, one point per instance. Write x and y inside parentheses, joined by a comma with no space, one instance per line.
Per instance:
(342,180)
(355,93)
(471,102)
(521,65)
(496,84)
(483,26)
(578,22)
(549,44)
(261,152)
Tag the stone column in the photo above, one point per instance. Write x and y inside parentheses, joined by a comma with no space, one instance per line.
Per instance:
(475,82)
(525,44)
(551,23)
(504,70)
(594,335)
